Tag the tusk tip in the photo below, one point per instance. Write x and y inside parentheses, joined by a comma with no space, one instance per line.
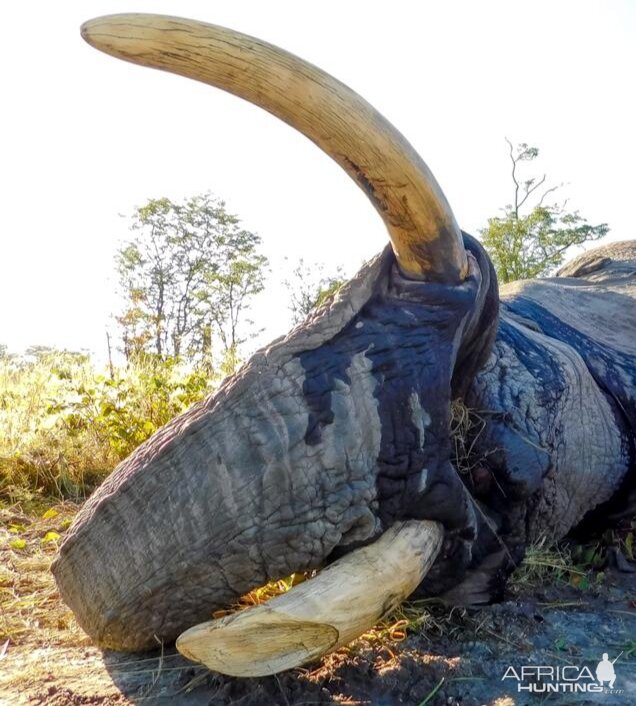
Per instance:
(106,30)
(258,649)
(85,30)
(91,30)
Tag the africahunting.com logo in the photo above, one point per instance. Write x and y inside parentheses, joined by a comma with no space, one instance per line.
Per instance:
(572,679)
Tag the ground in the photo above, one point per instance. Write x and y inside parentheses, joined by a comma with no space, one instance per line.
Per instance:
(555,615)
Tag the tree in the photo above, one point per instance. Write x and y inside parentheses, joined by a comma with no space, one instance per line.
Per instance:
(239,276)
(187,278)
(531,240)
(309,287)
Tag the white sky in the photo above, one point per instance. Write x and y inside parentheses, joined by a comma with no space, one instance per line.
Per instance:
(86,137)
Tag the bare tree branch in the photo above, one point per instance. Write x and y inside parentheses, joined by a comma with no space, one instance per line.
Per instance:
(530,191)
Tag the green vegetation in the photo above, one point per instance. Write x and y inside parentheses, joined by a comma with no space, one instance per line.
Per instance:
(533,242)
(578,565)
(66,424)
(575,565)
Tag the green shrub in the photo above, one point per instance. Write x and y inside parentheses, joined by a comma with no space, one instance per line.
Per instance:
(65,424)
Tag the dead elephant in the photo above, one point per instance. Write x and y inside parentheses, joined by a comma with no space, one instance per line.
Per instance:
(332,445)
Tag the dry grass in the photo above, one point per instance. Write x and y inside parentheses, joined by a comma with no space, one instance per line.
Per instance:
(38,633)
(31,612)
(577,565)
(466,427)
(544,563)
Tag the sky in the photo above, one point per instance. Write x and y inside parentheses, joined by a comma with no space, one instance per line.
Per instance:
(86,138)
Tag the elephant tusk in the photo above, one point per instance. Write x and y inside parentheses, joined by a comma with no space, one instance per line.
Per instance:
(426,239)
(339,604)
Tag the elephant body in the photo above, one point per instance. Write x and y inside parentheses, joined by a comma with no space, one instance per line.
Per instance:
(556,400)
(331,435)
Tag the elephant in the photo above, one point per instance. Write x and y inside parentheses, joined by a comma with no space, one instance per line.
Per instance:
(334,434)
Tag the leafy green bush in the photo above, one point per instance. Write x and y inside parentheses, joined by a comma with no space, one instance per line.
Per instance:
(65,424)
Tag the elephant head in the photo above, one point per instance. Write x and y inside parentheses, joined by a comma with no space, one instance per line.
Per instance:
(324,439)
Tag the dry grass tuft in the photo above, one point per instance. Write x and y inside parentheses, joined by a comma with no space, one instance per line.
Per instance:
(31,611)
(576,565)
(260,595)
(543,563)
(466,426)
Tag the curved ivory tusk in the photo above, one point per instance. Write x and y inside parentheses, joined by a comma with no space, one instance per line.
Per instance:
(338,605)
(426,239)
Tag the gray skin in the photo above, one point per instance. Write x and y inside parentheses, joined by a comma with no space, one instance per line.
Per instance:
(329,435)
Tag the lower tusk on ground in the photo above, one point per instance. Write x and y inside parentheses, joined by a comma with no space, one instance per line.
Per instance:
(339,604)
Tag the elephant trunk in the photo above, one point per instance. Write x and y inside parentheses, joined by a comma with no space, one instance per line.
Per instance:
(218,502)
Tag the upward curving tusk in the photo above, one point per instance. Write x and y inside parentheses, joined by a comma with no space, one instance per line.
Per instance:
(338,605)
(426,239)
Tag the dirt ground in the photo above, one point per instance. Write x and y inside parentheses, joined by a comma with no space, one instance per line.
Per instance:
(424,654)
